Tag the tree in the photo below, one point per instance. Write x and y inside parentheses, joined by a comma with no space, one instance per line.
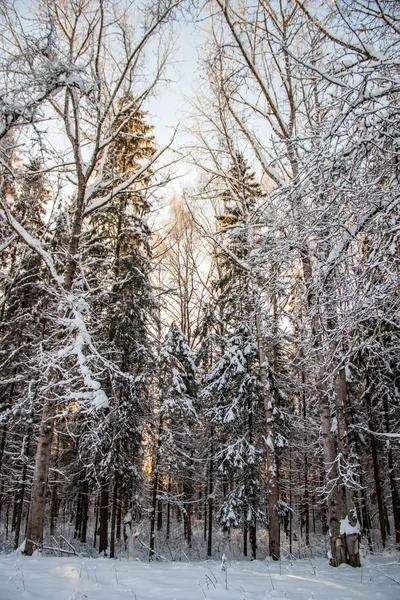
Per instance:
(103,62)
(118,249)
(240,316)
(182,266)
(22,323)
(175,432)
(309,152)
(234,386)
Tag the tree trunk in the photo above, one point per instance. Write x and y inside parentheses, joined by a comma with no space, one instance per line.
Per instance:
(392,479)
(54,509)
(210,498)
(2,448)
(34,532)
(103,514)
(375,465)
(155,476)
(336,503)
(245,534)
(153,514)
(306,497)
(119,518)
(378,489)
(189,511)
(272,466)
(290,504)
(96,521)
(168,509)
(253,539)
(113,517)
(85,511)
(340,496)
(353,549)
(78,516)
(159,514)
(21,496)
(155,467)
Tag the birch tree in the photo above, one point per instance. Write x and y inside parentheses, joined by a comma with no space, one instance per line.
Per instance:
(99,51)
(276,80)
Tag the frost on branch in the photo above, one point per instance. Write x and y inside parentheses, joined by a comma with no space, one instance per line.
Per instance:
(82,348)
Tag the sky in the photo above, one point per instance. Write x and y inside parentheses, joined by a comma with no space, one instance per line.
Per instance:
(170,109)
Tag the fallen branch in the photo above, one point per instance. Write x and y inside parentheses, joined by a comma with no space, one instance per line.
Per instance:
(53,549)
(153,552)
(69,544)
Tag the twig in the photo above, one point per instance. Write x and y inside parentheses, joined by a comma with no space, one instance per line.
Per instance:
(68,544)
(59,550)
(209,568)
(386,575)
(312,566)
(208,581)
(116,576)
(154,553)
(269,573)
(199,584)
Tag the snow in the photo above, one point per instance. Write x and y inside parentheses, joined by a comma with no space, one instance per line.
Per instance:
(49,578)
(269,443)
(334,425)
(347,528)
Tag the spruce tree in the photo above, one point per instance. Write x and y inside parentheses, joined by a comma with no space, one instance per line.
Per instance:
(119,264)
(175,436)
(232,383)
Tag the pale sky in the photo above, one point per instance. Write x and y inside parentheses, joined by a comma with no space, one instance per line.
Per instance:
(171,107)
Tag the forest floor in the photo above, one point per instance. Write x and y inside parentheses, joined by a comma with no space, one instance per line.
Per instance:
(53,578)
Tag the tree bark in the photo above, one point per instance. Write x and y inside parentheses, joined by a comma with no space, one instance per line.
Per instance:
(168,509)
(336,502)
(21,496)
(392,479)
(353,549)
(113,517)
(96,521)
(54,494)
(272,466)
(306,497)
(210,498)
(85,511)
(159,514)
(245,531)
(78,515)
(253,539)
(103,518)
(153,514)
(119,517)
(34,532)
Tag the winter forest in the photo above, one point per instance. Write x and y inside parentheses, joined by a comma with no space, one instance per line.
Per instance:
(199,335)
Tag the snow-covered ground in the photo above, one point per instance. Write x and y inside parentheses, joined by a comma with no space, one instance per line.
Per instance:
(45,578)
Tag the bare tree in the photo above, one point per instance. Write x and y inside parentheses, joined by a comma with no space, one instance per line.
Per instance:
(272,68)
(74,62)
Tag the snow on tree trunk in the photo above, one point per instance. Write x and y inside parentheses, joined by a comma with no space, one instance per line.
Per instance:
(350,535)
(272,467)
(34,531)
